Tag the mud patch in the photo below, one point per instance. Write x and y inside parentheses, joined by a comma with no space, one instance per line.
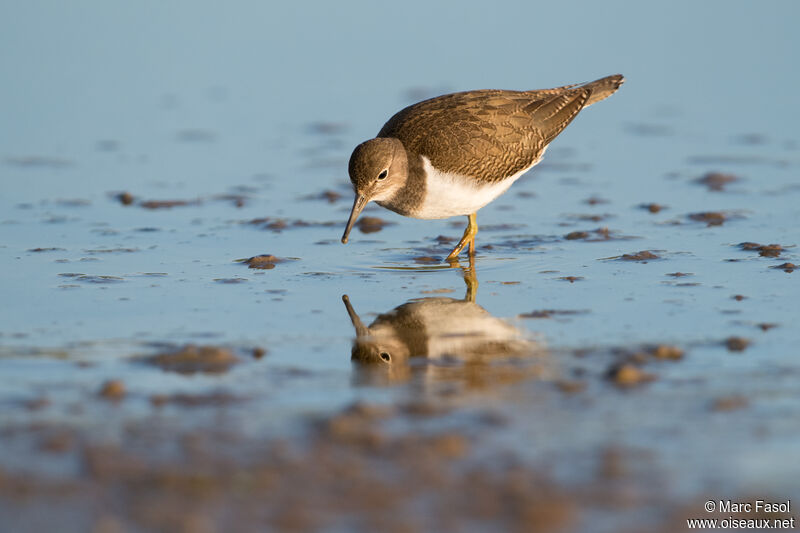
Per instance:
(86,278)
(764,250)
(709,218)
(786,267)
(652,207)
(192,359)
(53,249)
(642,256)
(627,375)
(371,224)
(279,224)
(167,204)
(736,344)
(327,195)
(262,262)
(213,399)
(112,390)
(551,313)
(597,235)
(716,181)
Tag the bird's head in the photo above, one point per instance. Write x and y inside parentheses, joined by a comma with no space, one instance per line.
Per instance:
(378,170)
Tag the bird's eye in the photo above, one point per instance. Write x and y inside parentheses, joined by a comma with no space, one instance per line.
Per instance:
(386,357)
(383,174)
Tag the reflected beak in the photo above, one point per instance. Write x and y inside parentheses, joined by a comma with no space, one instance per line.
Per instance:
(361,329)
(358,206)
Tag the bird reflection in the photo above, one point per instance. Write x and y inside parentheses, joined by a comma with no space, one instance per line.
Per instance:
(444,338)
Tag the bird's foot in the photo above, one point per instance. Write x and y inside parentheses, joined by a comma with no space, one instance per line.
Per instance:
(467,239)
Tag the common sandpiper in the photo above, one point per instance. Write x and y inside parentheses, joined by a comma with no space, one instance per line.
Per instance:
(453,154)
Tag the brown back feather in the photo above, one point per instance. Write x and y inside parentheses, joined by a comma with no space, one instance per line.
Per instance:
(491,134)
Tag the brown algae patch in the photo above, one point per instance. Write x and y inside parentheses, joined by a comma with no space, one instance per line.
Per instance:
(764,250)
(627,375)
(710,218)
(279,224)
(786,267)
(263,261)
(327,195)
(596,200)
(125,198)
(550,313)
(641,256)
(113,389)
(371,224)
(729,403)
(576,235)
(652,207)
(596,235)
(716,181)
(86,278)
(736,344)
(167,204)
(192,359)
(194,400)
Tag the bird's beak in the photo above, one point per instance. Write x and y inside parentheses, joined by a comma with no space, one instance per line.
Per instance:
(358,206)
(361,329)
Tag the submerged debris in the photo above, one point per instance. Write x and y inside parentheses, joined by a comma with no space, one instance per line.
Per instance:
(576,235)
(113,389)
(194,400)
(192,359)
(666,351)
(737,344)
(167,204)
(125,198)
(644,255)
(595,235)
(371,224)
(786,267)
(711,218)
(652,207)
(628,375)
(263,261)
(764,250)
(729,403)
(716,181)
(328,195)
(550,313)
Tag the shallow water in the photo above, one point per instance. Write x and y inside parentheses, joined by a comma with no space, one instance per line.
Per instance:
(250,121)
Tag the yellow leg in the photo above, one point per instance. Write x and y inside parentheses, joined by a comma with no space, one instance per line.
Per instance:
(468,238)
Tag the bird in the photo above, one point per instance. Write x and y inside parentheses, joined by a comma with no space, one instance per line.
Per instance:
(453,154)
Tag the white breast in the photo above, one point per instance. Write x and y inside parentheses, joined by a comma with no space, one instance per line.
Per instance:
(448,194)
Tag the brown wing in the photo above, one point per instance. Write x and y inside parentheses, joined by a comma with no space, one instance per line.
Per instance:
(488,134)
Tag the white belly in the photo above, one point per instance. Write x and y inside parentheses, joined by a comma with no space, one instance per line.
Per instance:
(448,195)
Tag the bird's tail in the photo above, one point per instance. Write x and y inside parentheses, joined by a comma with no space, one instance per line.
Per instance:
(603,88)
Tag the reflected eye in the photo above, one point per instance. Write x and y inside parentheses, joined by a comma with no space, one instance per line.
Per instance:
(386,357)
(383,174)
